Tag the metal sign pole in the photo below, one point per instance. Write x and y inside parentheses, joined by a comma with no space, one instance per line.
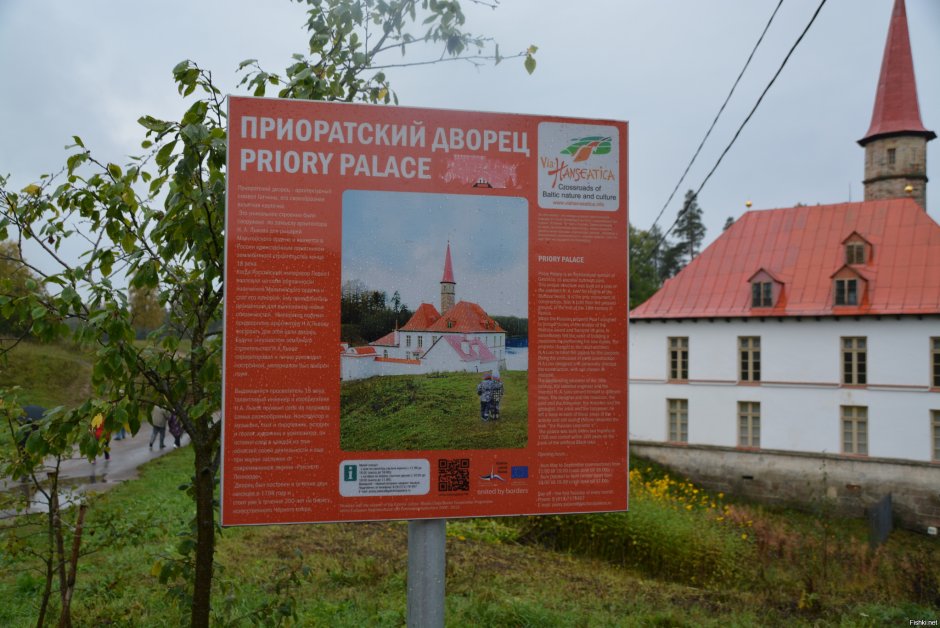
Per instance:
(426,566)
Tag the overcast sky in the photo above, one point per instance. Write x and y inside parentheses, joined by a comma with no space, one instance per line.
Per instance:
(394,241)
(91,68)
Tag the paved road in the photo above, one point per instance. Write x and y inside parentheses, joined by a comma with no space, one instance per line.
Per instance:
(127,455)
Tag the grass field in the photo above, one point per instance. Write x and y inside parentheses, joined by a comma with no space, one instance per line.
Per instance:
(48,375)
(354,574)
(437,411)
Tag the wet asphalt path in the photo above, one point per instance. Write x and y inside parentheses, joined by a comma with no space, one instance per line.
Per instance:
(80,476)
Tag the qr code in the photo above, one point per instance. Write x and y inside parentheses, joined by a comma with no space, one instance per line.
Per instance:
(453,475)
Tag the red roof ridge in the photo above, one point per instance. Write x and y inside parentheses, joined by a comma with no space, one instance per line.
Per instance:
(764,269)
(855,232)
(854,269)
(896,110)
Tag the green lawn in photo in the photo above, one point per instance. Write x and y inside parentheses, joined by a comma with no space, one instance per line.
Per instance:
(436,411)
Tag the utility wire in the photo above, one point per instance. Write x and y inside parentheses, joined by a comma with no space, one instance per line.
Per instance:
(718,115)
(741,128)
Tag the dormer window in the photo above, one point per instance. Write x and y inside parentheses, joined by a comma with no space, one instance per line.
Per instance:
(855,253)
(858,250)
(846,292)
(762,294)
(766,289)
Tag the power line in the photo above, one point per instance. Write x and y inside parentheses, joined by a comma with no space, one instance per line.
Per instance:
(743,124)
(718,115)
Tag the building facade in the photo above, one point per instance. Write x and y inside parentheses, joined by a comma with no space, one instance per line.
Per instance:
(799,355)
(463,338)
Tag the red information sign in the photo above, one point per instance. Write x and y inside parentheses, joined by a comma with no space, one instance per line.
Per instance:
(425,314)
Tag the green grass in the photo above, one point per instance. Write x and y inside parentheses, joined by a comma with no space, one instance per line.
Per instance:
(357,572)
(427,412)
(49,375)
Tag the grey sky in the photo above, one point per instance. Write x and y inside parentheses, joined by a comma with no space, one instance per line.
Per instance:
(91,68)
(394,241)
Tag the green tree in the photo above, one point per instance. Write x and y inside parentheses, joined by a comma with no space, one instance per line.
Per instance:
(515,326)
(41,446)
(146,312)
(158,221)
(653,260)
(17,281)
(644,274)
(689,228)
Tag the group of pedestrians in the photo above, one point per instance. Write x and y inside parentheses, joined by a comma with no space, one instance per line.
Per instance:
(490,391)
(160,420)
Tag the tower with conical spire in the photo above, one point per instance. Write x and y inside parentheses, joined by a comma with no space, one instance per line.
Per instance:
(448,285)
(896,142)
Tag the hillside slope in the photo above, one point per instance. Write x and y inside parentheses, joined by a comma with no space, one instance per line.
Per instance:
(437,411)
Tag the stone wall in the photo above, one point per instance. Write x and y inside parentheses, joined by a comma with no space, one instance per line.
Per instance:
(884,179)
(850,485)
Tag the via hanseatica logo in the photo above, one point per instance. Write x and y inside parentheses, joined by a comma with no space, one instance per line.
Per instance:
(581,148)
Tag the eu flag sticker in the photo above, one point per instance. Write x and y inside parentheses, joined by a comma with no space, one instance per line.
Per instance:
(519,473)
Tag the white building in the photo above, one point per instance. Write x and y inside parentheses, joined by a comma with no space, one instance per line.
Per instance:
(463,338)
(801,350)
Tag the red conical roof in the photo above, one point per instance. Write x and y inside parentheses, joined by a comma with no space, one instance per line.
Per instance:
(448,268)
(896,110)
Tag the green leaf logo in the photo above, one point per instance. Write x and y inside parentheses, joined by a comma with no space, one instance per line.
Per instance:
(583,147)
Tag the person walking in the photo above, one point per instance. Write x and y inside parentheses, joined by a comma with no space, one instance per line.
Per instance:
(484,392)
(158,418)
(101,435)
(176,429)
(496,395)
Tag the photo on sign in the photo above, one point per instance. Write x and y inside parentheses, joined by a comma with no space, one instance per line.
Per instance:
(434,338)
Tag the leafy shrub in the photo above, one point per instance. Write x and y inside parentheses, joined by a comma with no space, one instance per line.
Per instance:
(673,531)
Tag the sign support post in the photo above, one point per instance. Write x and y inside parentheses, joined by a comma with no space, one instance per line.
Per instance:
(426,569)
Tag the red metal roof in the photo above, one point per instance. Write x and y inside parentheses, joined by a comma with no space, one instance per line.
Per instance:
(448,268)
(476,350)
(466,317)
(398,360)
(422,319)
(388,340)
(896,109)
(802,247)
